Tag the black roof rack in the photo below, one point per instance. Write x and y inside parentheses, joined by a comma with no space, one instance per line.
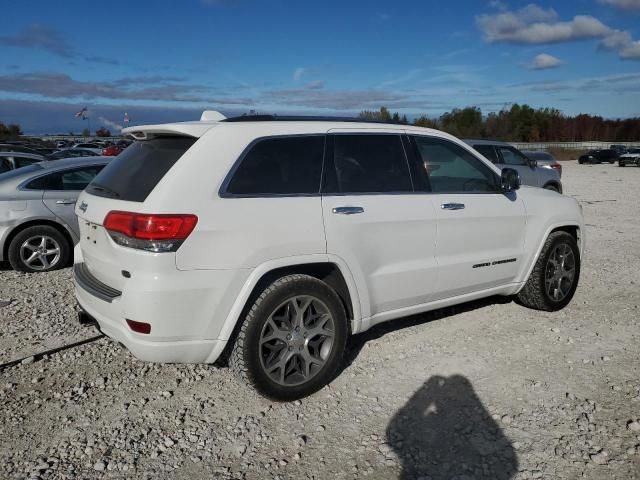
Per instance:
(299,118)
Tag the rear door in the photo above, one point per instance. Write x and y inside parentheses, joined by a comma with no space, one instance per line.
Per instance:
(480,240)
(376,222)
(62,190)
(512,158)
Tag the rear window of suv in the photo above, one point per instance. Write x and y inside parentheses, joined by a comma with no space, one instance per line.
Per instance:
(133,174)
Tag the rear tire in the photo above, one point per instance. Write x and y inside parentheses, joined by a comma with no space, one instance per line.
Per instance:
(40,248)
(292,340)
(555,276)
(621,164)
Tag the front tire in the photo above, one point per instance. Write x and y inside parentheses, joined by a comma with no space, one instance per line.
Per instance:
(40,248)
(555,276)
(292,340)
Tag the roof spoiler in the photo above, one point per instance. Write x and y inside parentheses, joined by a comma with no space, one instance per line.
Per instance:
(211,116)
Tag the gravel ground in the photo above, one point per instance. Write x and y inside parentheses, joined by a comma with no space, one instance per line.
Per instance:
(487,390)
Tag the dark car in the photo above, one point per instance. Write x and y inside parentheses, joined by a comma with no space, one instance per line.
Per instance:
(599,156)
(12,147)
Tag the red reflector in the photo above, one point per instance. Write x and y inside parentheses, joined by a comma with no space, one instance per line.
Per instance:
(151,227)
(139,327)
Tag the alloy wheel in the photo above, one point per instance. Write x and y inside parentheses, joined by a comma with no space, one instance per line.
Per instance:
(560,272)
(40,252)
(296,340)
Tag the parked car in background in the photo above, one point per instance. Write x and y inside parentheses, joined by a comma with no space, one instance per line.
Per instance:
(544,160)
(632,157)
(619,149)
(38,225)
(598,156)
(94,147)
(111,151)
(72,153)
(503,154)
(301,233)
(12,147)
(13,160)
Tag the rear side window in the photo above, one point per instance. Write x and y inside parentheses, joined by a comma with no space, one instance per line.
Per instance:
(280,166)
(511,156)
(24,161)
(368,164)
(133,174)
(5,166)
(69,180)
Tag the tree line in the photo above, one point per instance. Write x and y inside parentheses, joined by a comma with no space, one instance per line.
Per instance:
(9,132)
(521,123)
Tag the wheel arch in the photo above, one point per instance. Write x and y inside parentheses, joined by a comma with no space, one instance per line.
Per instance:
(35,222)
(330,270)
(572,228)
(553,183)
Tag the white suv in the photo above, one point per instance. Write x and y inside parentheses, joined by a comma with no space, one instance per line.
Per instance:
(267,241)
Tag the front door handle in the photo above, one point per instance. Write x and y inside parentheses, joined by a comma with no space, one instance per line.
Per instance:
(452,206)
(66,202)
(348,210)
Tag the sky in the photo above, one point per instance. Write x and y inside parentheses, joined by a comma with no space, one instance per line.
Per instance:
(169,60)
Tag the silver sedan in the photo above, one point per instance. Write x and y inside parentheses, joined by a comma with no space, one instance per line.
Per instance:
(38,225)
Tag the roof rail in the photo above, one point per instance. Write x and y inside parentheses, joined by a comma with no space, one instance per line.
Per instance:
(300,118)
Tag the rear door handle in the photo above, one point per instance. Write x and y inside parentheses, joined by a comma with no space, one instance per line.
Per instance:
(348,210)
(452,206)
(66,202)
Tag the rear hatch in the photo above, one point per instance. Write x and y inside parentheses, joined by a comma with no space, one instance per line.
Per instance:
(123,185)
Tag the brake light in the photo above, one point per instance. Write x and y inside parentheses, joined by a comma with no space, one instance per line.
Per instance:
(556,166)
(139,327)
(151,232)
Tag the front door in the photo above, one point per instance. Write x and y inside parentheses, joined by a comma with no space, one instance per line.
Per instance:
(480,241)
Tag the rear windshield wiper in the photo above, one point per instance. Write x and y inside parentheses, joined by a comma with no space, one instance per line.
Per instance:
(102,188)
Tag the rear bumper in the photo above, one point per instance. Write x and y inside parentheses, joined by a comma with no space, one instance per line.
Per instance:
(186,311)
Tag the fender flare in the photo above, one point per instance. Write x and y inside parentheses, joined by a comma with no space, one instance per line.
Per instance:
(233,317)
(548,231)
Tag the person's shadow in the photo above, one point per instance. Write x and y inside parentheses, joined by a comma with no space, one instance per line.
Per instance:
(444,432)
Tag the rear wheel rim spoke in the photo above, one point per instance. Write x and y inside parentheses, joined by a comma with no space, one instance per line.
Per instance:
(296,340)
(40,252)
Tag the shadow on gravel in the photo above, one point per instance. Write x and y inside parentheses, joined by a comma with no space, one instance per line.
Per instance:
(357,342)
(444,431)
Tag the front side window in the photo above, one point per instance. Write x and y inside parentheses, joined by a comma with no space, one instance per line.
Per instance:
(280,166)
(24,161)
(510,156)
(5,166)
(368,164)
(452,169)
(488,151)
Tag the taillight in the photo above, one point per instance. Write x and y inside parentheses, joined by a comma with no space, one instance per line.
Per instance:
(150,232)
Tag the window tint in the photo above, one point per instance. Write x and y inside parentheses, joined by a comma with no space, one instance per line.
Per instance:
(24,161)
(369,164)
(280,166)
(451,168)
(510,156)
(133,174)
(71,180)
(488,151)
(5,166)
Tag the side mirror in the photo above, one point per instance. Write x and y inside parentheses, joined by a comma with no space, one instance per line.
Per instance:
(509,180)
(532,163)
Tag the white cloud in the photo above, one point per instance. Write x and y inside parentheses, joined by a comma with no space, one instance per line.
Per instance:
(544,61)
(111,124)
(535,25)
(298,73)
(623,4)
